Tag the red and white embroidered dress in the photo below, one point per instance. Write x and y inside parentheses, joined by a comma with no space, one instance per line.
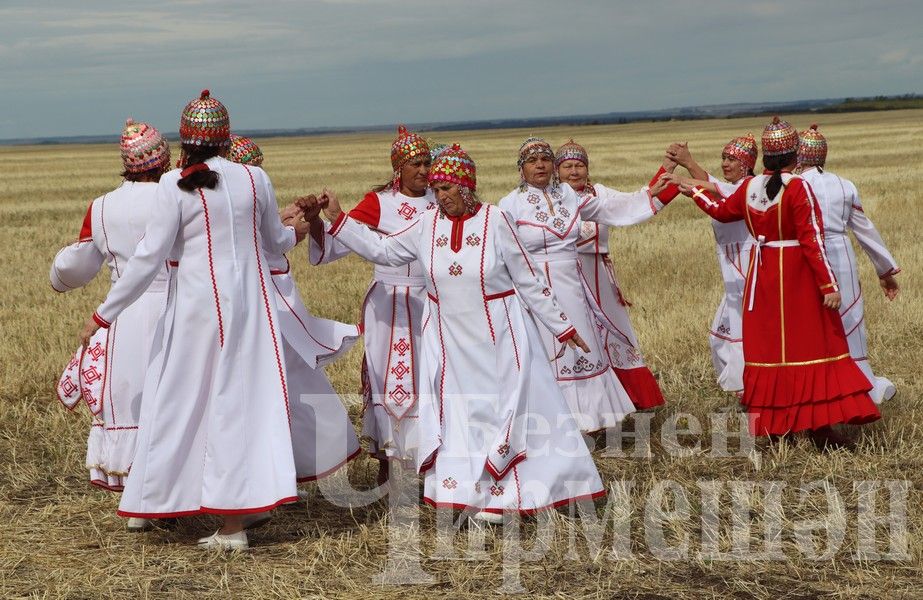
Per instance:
(621,345)
(839,202)
(392,314)
(548,223)
(323,438)
(214,433)
(495,432)
(117,359)
(798,374)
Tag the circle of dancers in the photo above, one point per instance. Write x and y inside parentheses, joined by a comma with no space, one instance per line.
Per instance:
(203,369)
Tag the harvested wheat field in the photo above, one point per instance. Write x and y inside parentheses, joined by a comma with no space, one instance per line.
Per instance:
(60,537)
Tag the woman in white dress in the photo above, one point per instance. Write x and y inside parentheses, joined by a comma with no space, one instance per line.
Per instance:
(547,217)
(841,209)
(109,376)
(214,434)
(393,306)
(734,244)
(495,434)
(620,341)
(323,437)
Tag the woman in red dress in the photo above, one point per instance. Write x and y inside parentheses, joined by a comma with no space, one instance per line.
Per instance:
(798,374)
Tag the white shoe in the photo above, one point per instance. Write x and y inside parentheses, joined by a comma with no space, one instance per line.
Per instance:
(136,524)
(232,541)
(304,495)
(257,520)
(488,517)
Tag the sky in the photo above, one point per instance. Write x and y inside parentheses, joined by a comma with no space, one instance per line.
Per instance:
(81,68)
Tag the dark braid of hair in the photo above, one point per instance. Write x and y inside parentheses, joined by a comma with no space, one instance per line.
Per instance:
(776,164)
(194,155)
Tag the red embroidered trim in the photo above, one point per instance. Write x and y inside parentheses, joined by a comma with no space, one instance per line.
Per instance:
(499,295)
(512,335)
(105,485)
(209,511)
(193,169)
(101,321)
(336,225)
(211,268)
(568,334)
(521,511)
(413,378)
(272,329)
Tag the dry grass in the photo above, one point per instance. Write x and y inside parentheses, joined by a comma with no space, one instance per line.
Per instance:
(61,538)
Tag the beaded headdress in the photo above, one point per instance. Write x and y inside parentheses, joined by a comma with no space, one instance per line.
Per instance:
(534,146)
(812,148)
(205,122)
(743,149)
(455,166)
(244,151)
(571,151)
(406,146)
(143,148)
(779,137)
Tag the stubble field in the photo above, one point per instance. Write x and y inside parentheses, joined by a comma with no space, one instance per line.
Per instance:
(59,537)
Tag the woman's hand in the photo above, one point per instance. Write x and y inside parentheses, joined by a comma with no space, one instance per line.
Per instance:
(890,286)
(577,342)
(660,185)
(679,153)
(832,300)
(89,329)
(330,204)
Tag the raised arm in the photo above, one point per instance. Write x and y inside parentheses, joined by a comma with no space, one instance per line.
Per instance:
(147,260)
(530,280)
(612,207)
(707,197)
(76,265)
(324,248)
(394,250)
(277,238)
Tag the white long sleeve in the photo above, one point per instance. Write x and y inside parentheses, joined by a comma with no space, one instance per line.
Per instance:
(276,237)
(529,279)
(618,209)
(148,258)
(867,235)
(393,250)
(331,250)
(75,265)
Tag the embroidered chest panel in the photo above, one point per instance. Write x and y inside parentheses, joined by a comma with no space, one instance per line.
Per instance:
(399,211)
(548,209)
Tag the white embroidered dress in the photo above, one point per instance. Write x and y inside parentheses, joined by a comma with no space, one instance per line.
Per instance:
(842,210)
(495,432)
(548,223)
(323,437)
(734,244)
(392,314)
(214,432)
(111,230)
(620,340)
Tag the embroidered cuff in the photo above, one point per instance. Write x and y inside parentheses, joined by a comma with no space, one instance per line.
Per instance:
(101,321)
(571,332)
(828,288)
(337,225)
(889,272)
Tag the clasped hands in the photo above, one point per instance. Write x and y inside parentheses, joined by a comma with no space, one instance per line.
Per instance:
(304,212)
